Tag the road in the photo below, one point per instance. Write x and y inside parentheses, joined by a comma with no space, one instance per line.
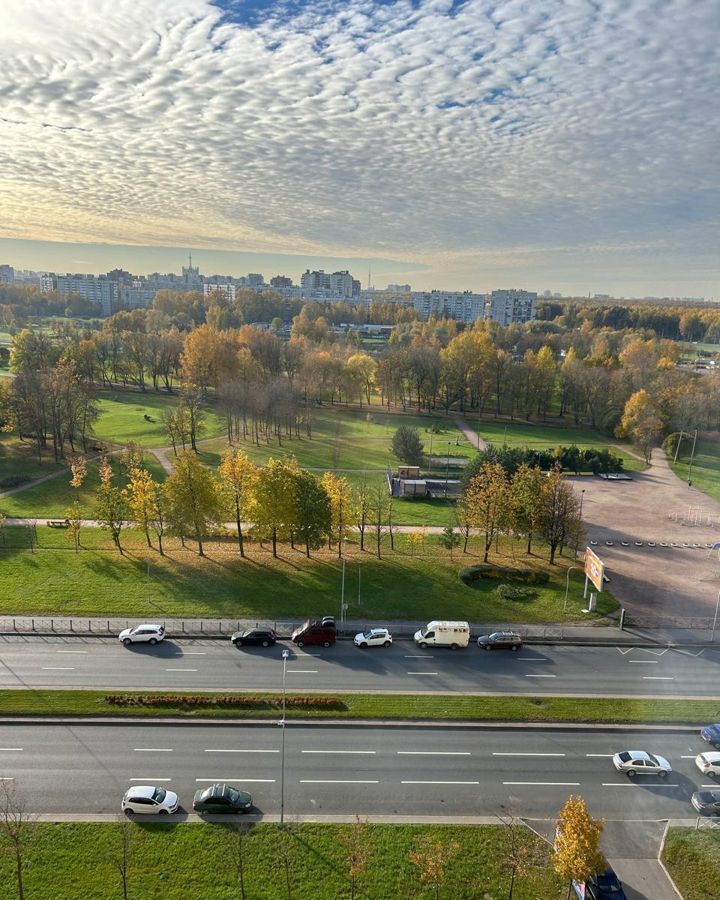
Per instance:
(103,663)
(333,770)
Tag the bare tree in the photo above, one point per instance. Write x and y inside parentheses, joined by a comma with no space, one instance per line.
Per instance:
(17,828)
(237,851)
(121,861)
(524,852)
(357,850)
(432,857)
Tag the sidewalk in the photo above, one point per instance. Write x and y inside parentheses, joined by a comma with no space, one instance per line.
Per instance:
(571,634)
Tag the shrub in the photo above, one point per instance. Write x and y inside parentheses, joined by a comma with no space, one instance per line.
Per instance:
(512,592)
(472,574)
(11,481)
(237,701)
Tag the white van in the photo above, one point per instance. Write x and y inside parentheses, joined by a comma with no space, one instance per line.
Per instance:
(443,634)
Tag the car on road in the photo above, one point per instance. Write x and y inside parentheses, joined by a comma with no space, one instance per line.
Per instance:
(706,802)
(708,763)
(373,637)
(711,734)
(500,640)
(148,634)
(146,798)
(254,637)
(604,886)
(221,798)
(640,762)
(314,633)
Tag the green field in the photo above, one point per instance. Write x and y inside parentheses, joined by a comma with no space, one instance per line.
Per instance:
(305,861)
(55,580)
(705,471)
(398,707)
(20,458)
(693,859)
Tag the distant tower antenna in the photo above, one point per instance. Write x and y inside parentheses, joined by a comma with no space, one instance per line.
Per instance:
(369,278)
(190,258)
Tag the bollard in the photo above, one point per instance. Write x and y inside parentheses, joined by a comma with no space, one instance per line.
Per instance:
(183,626)
(219,627)
(90,626)
(14,628)
(71,625)
(201,626)
(622,619)
(52,625)
(108,626)
(33,624)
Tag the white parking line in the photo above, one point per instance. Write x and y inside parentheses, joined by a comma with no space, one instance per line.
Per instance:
(72,651)
(58,668)
(528,754)
(433,752)
(235,778)
(439,782)
(541,676)
(422,656)
(11,749)
(658,677)
(644,662)
(152,749)
(422,673)
(361,752)
(181,670)
(333,781)
(630,783)
(303,671)
(546,783)
(217,750)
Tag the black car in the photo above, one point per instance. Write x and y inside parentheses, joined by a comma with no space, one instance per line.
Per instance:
(604,886)
(500,640)
(262,637)
(221,798)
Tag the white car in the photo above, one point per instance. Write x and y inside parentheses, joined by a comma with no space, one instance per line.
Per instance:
(708,763)
(639,762)
(144,798)
(149,634)
(373,637)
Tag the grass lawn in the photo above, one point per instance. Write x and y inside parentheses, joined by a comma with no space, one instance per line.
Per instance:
(693,859)
(309,861)
(53,498)
(98,581)
(398,707)
(20,458)
(705,472)
(122,418)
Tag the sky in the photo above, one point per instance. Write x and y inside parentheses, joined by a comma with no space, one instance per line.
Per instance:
(560,144)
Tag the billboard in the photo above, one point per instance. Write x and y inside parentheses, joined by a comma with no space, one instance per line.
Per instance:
(594,568)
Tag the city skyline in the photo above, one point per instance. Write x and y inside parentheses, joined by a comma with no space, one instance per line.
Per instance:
(446,144)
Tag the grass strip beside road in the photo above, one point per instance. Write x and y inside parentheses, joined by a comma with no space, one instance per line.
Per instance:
(79,861)
(398,707)
(693,859)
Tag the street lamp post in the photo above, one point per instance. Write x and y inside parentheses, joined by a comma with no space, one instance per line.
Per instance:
(717,605)
(582,497)
(285,655)
(567,585)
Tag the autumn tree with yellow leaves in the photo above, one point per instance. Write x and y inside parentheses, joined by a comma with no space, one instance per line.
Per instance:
(577,852)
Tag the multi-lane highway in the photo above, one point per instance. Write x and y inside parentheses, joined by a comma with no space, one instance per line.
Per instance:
(404,771)
(216,665)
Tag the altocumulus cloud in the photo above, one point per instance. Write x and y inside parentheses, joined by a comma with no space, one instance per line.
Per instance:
(422,129)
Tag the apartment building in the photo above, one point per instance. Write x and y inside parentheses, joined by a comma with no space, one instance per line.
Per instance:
(511,307)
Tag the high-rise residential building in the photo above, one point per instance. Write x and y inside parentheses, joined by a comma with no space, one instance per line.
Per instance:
(101,290)
(223,288)
(7,274)
(136,295)
(399,288)
(330,285)
(48,282)
(281,281)
(511,307)
(463,306)
(255,280)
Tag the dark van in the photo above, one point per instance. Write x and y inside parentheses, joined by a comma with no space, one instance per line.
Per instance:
(316,633)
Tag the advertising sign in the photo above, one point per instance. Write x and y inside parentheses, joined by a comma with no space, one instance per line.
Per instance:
(594,569)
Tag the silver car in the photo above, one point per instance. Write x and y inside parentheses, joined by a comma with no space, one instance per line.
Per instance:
(149,634)
(640,762)
(708,763)
(145,798)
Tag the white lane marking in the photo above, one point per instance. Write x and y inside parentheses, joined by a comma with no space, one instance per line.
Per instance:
(216,750)
(235,778)
(6,778)
(181,670)
(541,676)
(532,659)
(658,677)
(528,754)
(72,651)
(433,752)
(366,752)
(439,782)
(644,662)
(303,671)
(150,780)
(191,653)
(58,668)
(601,755)
(708,785)
(332,781)
(422,656)
(422,673)
(152,749)
(546,783)
(629,783)
(11,749)
(688,757)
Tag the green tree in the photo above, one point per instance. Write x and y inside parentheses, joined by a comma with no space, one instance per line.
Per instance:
(449,539)
(487,499)
(110,505)
(407,445)
(312,515)
(341,507)
(238,481)
(193,498)
(274,496)
(141,493)
(525,491)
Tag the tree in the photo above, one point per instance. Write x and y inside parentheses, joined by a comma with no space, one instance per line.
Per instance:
(110,505)
(194,505)
(141,492)
(122,861)
(432,856)
(238,480)
(362,510)
(523,851)
(559,519)
(525,492)
(311,509)
(407,446)
(449,539)
(78,469)
(487,499)
(577,842)
(17,829)
(356,844)
(641,423)
(379,510)
(341,507)
(274,496)
(237,852)
(360,371)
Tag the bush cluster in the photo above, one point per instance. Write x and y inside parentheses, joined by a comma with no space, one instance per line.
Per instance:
(11,481)
(513,592)
(236,701)
(471,574)
(571,459)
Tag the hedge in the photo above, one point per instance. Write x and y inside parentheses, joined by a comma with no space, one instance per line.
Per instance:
(471,574)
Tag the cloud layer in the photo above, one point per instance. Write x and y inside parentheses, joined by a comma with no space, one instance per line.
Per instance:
(434,130)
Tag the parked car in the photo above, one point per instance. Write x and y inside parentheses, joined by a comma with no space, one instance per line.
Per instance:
(711,734)
(443,634)
(255,637)
(708,763)
(373,637)
(221,798)
(640,762)
(706,802)
(500,640)
(149,634)
(316,633)
(604,886)
(144,798)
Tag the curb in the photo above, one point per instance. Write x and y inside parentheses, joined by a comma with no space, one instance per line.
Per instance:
(662,864)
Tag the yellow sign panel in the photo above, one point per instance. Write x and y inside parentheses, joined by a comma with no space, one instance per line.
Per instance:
(594,568)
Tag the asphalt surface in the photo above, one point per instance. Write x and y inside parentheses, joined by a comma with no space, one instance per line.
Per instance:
(55,662)
(409,771)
